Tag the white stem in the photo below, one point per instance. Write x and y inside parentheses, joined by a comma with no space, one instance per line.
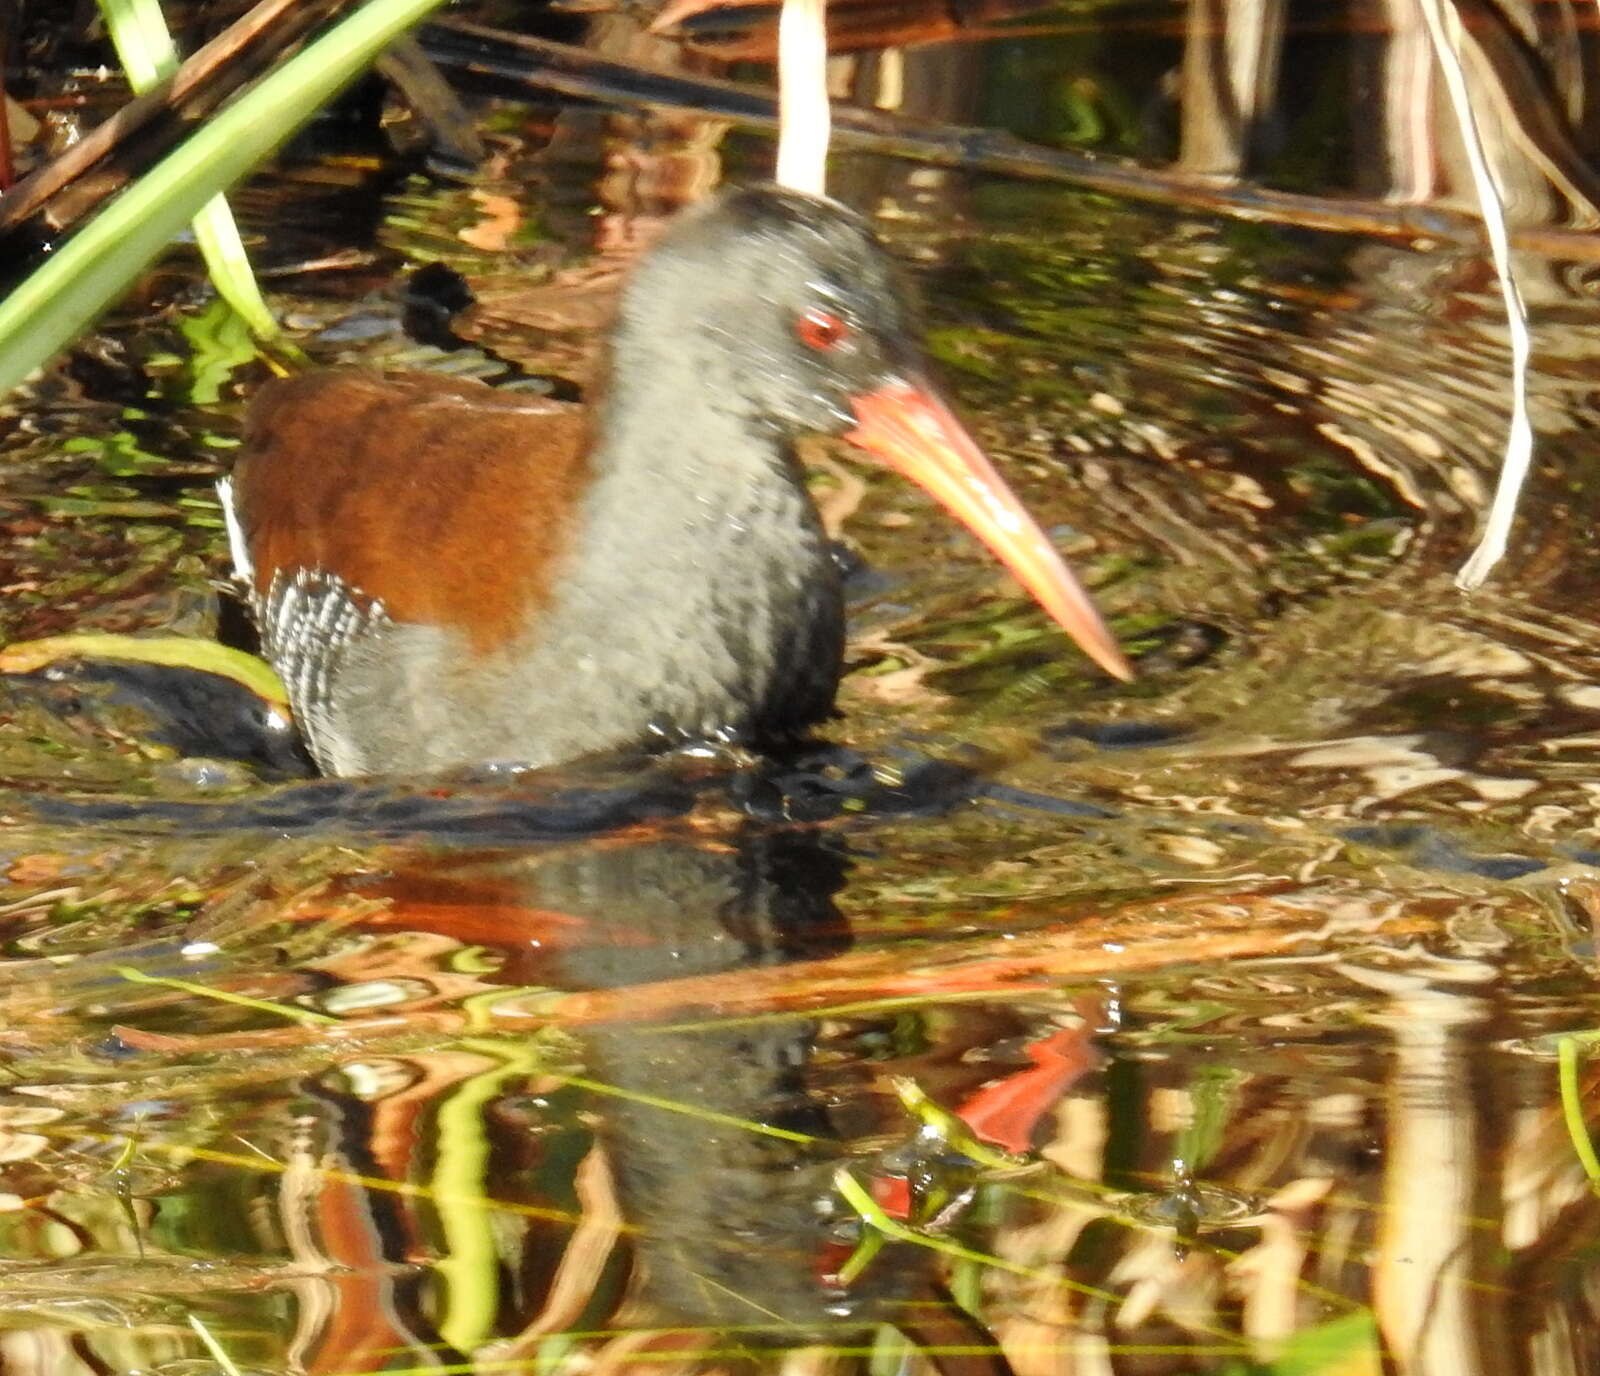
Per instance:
(804,121)
(1444,31)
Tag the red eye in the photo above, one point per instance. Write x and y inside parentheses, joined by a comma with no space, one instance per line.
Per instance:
(821,330)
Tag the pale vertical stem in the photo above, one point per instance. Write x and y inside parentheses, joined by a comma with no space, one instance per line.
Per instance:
(1231,53)
(1407,86)
(1444,31)
(804,120)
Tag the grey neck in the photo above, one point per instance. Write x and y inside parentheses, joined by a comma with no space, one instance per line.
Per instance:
(701,600)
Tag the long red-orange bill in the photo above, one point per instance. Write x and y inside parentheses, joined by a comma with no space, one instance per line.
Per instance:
(914,433)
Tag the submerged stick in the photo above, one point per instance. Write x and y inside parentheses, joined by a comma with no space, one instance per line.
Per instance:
(541,64)
(1142,938)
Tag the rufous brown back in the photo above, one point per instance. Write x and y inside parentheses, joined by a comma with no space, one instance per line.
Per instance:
(449,501)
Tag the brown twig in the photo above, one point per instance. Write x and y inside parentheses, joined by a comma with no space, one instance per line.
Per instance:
(1139,938)
(8,166)
(544,65)
(197,87)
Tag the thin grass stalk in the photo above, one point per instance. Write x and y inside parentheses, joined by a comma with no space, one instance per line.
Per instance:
(219,1354)
(1572,1109)
(1444,33)
(55,304)
(303,1016)
(144,47)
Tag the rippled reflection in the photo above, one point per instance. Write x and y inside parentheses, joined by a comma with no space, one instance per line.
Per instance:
(589,1103)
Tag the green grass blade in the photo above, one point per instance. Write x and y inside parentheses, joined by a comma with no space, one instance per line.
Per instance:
(56,303)
(181,652)
(217,235)
(144,47)
(139,33)
(1572,1109)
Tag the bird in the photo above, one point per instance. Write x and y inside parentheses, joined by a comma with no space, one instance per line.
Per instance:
(447,574)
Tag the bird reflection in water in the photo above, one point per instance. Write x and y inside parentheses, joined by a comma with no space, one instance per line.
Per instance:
(708,1221)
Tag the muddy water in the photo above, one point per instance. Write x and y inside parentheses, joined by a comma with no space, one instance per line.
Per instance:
(1212,1023)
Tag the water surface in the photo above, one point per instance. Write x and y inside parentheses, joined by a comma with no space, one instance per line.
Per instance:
(1209,1023)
